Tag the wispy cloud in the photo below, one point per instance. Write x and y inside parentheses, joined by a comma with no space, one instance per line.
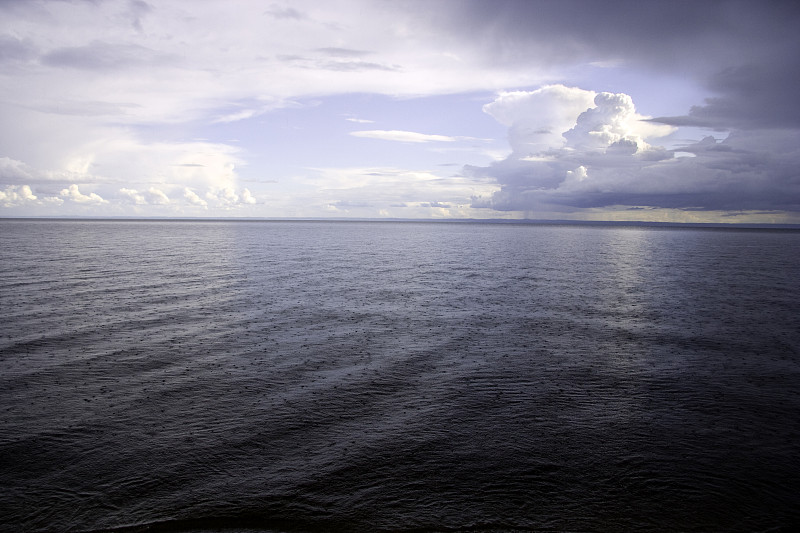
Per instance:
(290,13)
(402,136)
(343,52)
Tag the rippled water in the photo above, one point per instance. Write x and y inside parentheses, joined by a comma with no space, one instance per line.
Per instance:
(272,376)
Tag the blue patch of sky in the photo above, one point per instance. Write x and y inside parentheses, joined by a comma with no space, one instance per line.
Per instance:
(315,133)
(653,93)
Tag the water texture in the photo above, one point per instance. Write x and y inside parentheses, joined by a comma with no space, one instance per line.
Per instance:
(316,376)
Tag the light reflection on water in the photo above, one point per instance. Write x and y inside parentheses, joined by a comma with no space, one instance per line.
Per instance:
(368,376)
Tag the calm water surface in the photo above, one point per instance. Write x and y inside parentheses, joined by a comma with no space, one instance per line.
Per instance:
(315,376)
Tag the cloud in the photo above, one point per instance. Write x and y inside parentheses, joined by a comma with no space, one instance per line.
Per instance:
(537,119)
(193,198)
(73,194)
(124,171)
(748,97)
(339,64)
(352,66)
(388,191)
(604,159)
(134,196)
(152,196)
(103,56)
(225,197)
(85,108)
(279,12)
(14,195)
(250,108)
(189,64)
(13,171)
(343,52)
(15,51)
(193,164)
(402,136)
(743,53)
(247,197)
(502,43)
(106,93)
(138,9)
(349,204)
(613,125)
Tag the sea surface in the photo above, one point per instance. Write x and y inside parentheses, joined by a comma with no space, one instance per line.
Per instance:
(364,376)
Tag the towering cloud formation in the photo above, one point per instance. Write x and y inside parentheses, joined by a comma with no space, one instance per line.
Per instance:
(537,119)
(565,157)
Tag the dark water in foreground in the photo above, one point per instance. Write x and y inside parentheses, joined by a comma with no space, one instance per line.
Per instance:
(193,376)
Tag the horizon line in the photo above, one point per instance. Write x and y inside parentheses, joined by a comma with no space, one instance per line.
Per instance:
(520,221)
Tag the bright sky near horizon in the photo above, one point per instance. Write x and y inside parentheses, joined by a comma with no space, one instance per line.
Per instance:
(619,110)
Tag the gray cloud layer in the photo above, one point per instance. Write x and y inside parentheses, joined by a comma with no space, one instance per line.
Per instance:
(103,56)
(746,52)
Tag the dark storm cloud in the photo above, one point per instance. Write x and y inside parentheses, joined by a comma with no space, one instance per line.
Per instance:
(685,34)
(750,96)
(745,52)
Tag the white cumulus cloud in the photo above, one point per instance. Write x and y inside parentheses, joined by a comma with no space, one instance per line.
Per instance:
(537,119)
(134,196)
(193,198)
(15,195)
(613,120)
(157,196)
(247,197)
(224,197)
(74,194)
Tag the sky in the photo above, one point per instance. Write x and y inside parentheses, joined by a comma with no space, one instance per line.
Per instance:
(617,110)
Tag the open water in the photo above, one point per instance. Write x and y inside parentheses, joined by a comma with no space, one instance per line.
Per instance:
(321,376)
